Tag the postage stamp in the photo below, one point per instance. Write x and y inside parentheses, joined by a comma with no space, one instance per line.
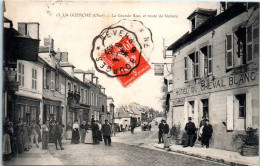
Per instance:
(123,51)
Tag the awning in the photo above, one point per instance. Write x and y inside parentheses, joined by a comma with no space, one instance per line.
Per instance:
(51,102)
(27,101)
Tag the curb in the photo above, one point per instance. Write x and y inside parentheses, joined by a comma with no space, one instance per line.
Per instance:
(203,157)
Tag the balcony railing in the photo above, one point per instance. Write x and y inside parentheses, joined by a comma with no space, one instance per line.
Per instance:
(73,97)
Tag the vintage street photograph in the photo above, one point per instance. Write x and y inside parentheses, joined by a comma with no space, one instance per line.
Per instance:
(130,83)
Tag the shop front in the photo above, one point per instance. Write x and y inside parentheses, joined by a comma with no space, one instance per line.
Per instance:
(27,109)
(52,110)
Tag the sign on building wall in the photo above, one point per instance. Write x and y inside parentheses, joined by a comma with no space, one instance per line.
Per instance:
(249,78)
(159,69)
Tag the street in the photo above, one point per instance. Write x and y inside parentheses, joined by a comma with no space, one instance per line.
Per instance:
(125,151)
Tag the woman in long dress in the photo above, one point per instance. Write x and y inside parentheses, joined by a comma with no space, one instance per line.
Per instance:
(75,133)
(6,148)
(89,136)
(26,138)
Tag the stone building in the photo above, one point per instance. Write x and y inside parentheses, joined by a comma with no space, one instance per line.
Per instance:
(215,71)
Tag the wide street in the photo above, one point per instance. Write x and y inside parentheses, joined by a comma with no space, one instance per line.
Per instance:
(126,149)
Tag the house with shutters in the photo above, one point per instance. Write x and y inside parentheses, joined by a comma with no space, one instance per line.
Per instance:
(216,71)
(22,90)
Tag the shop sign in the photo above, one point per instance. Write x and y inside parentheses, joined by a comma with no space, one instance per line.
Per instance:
(159,69)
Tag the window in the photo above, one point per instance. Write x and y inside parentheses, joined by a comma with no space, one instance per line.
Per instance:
(229,51)
(52,80)
(82,95)
(34,79)
(100,101)
(44,77)
(249,45)
(185,69)
(242,105)
(75,88)
(96,100)
(191,67)
(57,82)
(209,60)
(86,96)
(196,65)
(256,40)
(92,99)
(69,86)
(21,74)
(205,107)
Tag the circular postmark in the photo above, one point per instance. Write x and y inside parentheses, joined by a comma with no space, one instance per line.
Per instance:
(118,49)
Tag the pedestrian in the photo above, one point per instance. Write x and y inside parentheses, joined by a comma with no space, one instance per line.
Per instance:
(89,136)
(92,120)
(45,135)
(202,123)
(99,132)
(165,134)
(57,132)
(51,136)
(190,129)
(34,133)
(6,148)
(69,131)
(95,131)
(75,133)
(19,135)
(82,132)
(132,127)
(106,132)
(206,133)
(26,138)
(160,132)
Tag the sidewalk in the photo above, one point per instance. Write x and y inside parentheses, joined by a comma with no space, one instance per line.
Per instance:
(217,155)
(35,156)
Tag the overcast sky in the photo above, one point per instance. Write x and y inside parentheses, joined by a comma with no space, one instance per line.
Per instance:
(75,35)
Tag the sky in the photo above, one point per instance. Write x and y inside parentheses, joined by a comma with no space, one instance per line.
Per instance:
(72,32)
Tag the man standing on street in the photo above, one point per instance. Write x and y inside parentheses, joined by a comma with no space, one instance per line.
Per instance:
(106,131)
(160,133)
(57,132)
(34,133)
(165,134)
(190,129)
(206,133)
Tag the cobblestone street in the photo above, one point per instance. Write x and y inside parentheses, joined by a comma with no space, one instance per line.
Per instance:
(120,154)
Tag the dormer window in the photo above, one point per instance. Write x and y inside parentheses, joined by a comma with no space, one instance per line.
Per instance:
(193,24)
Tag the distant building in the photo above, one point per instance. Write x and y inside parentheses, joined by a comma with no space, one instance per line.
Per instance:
(216,71)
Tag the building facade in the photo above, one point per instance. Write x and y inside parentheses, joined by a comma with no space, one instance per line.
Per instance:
(216,69)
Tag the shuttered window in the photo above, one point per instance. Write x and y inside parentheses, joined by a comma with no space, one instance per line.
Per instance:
(229,52)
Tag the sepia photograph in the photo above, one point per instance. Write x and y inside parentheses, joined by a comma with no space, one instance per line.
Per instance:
(130,82)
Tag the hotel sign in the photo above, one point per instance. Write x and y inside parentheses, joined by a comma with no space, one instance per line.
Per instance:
(230,82)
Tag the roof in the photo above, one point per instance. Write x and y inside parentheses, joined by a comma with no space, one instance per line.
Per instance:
(122,113)
(211,23)
(79,71)
(66,64)
(206,12)
(43,49)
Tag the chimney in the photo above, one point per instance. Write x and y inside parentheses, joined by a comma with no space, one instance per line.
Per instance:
(64,56)
(199,16)
(49,42)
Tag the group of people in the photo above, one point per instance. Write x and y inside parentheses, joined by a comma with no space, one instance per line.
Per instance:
(91,132)
(22,136)
(204,134)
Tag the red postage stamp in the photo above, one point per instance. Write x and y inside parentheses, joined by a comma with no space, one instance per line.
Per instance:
(124,59)
(118,52)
